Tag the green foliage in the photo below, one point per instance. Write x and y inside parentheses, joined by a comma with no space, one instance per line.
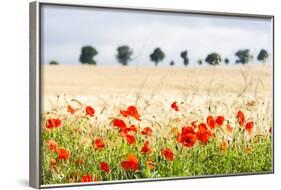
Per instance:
(53,62)
(200,62)
(157,56)
(184,57)
(244,56)
(124,54)
(209,159)
(87,55)
(213,59)
(262,56)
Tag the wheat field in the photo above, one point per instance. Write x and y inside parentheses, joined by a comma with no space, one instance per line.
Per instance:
(119,123)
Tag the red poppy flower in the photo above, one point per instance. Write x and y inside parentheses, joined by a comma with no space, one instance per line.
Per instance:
(104,167)
(57,122)
(63,154)
(90,111)
(249,126)
(188,140)
(147,131)
(53,146)
(131,111)
(53,123)
(126,165)
(98,144)
(131,163)
(203,133)
(270,130)
(120,124)
(146,148)
(202,128)
(168,154)
(124,132)
(186,130)
(175,106)
(87,178)
(219,120)
(125,113)
(210,133)
(211,122)
(241,118)
(133,128)
(70,109)
(203,137)
(187,137)
(130,139)
(50,124)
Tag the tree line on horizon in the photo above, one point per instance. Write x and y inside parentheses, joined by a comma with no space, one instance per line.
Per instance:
(125,53)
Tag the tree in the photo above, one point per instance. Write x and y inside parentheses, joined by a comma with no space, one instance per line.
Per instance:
(157,56)
(213,59)
(87,55)
(184,57)
(53,62)
(172,63)
(226,60)
(244,56)
(200,62)
(124,54)
(262,56)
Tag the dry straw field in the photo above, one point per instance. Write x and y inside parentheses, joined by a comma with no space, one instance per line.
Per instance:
(119,123)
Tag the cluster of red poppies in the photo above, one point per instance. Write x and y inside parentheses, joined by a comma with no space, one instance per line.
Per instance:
(56,122)
(53,123)
(131,163)
(131,112)
(202,132)
(62,154)
(90,111)
(88,178)
(188,136)
(129,132)
(242,122)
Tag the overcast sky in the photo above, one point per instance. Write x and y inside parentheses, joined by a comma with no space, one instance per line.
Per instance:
(67,29)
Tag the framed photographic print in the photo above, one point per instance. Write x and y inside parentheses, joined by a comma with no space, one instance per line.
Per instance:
(131,94)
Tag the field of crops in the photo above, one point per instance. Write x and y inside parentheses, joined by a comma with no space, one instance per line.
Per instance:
(120,136)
